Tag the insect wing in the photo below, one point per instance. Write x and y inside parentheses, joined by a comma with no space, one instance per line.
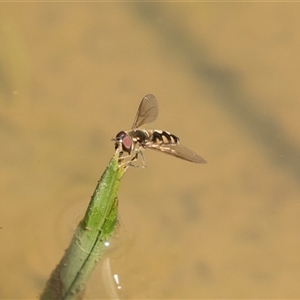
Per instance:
(147,111)
(177,150)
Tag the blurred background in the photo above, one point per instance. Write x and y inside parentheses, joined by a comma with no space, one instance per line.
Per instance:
(226,76)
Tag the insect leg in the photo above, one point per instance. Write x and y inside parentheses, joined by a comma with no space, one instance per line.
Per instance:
(135,158)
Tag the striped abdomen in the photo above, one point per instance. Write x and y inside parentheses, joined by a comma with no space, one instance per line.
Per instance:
(163,137)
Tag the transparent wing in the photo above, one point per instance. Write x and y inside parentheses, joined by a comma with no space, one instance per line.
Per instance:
(177,150)
(147,112)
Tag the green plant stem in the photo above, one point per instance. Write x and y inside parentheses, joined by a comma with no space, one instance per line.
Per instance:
(89,241)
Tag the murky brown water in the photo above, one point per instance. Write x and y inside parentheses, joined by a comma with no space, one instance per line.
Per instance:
(226,76)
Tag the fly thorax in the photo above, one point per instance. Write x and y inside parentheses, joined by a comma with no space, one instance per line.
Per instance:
(139,136)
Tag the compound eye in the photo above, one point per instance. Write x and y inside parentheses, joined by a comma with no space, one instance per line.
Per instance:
(125,139)
(120,135)
(126,143)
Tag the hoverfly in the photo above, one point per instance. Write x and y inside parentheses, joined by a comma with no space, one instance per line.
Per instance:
(134,141)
